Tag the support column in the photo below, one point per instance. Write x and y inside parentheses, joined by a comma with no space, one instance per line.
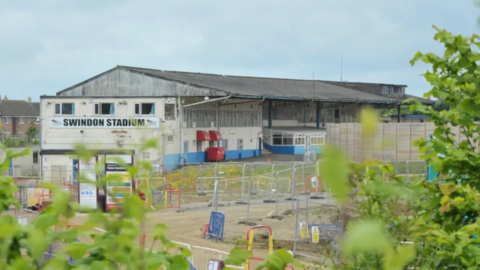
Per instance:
(270,113)
(318,115)
(399,108)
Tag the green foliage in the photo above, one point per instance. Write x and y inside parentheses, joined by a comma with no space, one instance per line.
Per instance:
(421,225)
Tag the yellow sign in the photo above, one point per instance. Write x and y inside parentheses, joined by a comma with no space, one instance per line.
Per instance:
(303,230)
(34,194)
(315,235)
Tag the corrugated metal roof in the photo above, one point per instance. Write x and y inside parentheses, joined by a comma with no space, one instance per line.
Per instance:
(17,108)
(237,86)
(266,87)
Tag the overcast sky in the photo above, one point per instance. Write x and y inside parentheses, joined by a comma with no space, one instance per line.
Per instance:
(49,45)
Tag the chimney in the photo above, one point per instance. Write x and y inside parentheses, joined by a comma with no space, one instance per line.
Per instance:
(29,100)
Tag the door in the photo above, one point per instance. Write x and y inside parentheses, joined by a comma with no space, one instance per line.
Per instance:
(308,141)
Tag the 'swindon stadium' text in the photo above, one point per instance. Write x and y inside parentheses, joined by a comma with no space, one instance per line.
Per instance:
(103,122)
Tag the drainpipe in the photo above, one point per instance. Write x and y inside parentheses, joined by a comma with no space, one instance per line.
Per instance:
(399,107)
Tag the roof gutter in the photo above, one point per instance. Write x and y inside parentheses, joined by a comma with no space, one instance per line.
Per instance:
(206,101)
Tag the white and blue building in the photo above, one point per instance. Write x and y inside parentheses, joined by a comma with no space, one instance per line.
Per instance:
(189,112)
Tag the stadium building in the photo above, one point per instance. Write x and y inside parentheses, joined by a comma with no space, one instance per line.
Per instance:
(199,117)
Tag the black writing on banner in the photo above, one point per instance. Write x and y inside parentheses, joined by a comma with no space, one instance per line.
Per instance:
(112,167)
(104,122)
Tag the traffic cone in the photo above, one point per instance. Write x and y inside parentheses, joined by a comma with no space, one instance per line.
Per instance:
(266,158)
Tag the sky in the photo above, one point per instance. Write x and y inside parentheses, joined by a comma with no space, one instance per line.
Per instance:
(49,45)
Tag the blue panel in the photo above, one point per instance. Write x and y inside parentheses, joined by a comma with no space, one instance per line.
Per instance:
(171,161)
(239,154)
(196,157)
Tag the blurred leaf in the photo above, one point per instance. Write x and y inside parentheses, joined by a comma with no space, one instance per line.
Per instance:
(447,189)
(334,169)
(179,263)
(37,243)
(398,260)
(238,256)
(366,236)
(76,250)
(369,119)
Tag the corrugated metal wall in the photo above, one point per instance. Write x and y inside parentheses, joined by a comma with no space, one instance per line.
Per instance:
(119,82)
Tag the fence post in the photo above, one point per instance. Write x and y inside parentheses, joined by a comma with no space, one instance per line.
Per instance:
(293,185)
(296,227)
(277,188)
(249,197)
(243,180)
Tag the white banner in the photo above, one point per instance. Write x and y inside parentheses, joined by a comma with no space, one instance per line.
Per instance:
(88,192)
(104,122)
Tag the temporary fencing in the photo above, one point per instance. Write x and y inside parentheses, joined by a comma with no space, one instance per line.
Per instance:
(410,169)
(318,226)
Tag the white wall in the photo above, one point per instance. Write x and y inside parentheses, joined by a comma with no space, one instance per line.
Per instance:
(106,138)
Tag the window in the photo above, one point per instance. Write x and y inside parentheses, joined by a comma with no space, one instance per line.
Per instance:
(8,134)
(104,108)
(287,139)
(277,139)
(170,111)
(211,144)
(35,157)
(170,139)
(64,108)
(240,144)
(20,121)
(144,108)
(185,146)
(146,155)
(8,120)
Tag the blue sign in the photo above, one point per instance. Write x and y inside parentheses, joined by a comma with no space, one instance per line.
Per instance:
(87,193)
(216,226)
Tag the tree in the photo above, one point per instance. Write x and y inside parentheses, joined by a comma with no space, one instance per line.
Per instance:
(32,133)
(439,219)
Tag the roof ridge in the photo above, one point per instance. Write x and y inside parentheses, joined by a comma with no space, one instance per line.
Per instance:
(222,75)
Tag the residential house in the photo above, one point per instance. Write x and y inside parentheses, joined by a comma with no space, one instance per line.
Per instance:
(16,116)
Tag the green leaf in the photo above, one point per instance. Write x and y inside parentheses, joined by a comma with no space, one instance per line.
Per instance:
(398,260)
(447,189)
(334,168)
(37,242)
(238,256)
(369,119)
(76,250)
(366,236)
(179,263)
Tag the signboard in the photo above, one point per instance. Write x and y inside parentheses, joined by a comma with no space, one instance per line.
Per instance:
(104,122)
(303,230)
(315,235)
(215,265)
(216,225)
(117,190)
(314,181)
(88,192)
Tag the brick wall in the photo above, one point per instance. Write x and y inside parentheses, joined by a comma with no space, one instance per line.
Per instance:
(16,126)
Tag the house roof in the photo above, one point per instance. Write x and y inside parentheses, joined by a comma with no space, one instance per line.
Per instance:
(36,105)
(266,87)
(18,108)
